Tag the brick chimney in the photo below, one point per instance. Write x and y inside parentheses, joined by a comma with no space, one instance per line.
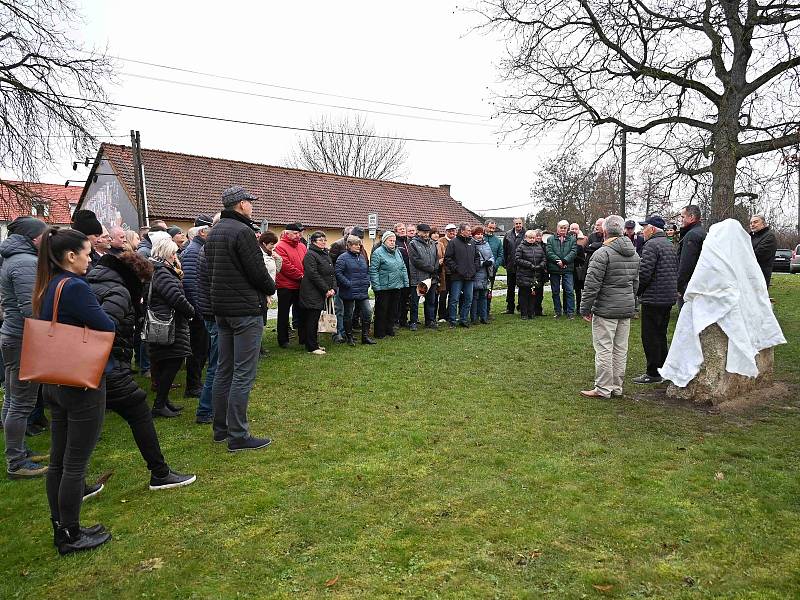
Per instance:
(446,187)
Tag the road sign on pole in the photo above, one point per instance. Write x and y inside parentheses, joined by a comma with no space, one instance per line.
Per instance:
(372,223)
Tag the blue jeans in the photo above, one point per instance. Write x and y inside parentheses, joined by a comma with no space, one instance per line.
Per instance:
(20,400)
(142,356)
(429,310)
(338,307)
(204,406)
(480,308)
(464,304)
(567,282)
(238,342)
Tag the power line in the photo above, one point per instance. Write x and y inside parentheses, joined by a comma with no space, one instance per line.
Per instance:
(244,93)
(294,89)
(502,207)
(270,125)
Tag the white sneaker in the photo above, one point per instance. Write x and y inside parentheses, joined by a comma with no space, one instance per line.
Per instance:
(318,351)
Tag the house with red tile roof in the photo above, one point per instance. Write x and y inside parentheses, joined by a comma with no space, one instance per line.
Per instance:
(52,203)
(178,187)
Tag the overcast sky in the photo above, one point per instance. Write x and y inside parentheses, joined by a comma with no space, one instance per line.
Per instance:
(416,52)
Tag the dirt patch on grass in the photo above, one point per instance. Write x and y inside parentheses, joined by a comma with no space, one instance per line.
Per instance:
(779,396)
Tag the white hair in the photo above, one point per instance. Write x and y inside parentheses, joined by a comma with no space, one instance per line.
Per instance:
(192,232)
(163,247)
(562,223)
(614,226)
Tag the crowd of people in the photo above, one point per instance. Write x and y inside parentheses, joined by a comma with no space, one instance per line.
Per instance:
(211,290)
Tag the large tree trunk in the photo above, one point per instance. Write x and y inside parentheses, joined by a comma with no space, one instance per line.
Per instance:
(723,172)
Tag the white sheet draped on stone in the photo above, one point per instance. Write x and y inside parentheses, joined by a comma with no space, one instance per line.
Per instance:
(727,288)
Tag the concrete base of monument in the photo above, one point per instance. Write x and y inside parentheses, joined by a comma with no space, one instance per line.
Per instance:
(713,385)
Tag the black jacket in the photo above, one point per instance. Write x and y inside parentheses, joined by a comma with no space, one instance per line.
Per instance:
(423,261)
(692,238)
(461,259)
(658,272)
(189,267)
(531,262)
(168,296)
(240,282)
(764,246)
(511,242)
(319,276)
(118,291)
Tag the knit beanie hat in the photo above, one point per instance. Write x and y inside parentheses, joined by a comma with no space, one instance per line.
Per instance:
(30,227)
(386,235)
(174,230)
(86,222)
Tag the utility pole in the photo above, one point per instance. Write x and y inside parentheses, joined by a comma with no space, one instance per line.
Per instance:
(623,174)
(138,179)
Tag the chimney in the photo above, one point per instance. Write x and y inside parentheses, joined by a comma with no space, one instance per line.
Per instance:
(446,187)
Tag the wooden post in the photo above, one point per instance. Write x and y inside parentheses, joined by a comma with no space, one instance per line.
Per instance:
(623,174)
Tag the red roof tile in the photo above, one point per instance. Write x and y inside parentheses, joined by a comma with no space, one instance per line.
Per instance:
(181,186)
(12,204)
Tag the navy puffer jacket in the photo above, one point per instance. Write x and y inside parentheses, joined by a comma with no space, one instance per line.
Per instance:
(352,273)
(658,272)
(203,287)
(189,266)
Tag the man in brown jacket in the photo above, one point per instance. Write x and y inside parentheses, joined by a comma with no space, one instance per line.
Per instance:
(449,234)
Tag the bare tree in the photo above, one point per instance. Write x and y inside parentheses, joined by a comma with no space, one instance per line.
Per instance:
(349,147)
(44,74)
(708,83)
(564,188)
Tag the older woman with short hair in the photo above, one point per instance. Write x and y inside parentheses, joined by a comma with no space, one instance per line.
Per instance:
(352,274)
(166,299)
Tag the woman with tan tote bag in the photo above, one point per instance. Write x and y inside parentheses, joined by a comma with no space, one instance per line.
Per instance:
(77,412)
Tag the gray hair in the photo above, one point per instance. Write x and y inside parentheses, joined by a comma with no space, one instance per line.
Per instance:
(562,223)
(163,248)
(762,217)
(192,232)
(537,232)
(490,222)
(614,226)
(530,231)
(352,240)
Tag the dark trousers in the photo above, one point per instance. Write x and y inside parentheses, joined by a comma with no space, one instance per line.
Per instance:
(655,320)
(363,309)
(429,306)
(578,292)
(512,287)
(489,294)
(538,296)
(289,299)
(198,338)
(309,324)
(165,371)
(403,303)
(526,308)
(140,420)
(385,307)
(76,421)
(443,311)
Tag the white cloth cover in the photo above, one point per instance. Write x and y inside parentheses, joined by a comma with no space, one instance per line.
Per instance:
(727,288)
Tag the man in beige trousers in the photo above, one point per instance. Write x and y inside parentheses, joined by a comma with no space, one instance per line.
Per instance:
(608,303)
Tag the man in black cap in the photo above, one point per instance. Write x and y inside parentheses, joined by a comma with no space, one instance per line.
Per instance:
(240,284)
(86,222)
(658,291)
(423,267)
(637,239)
(19,254)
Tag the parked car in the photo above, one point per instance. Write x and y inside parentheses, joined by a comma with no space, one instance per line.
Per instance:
(794,264)
(783,259)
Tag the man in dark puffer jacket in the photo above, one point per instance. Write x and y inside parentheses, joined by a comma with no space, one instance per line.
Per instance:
(117,282)
(198,337)
(203,416)
(658,291)
(609,302)
(240,284)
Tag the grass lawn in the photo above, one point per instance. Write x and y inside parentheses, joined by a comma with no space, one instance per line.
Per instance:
(442,464)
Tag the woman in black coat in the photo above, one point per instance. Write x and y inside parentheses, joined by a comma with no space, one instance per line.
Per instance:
(117,282)
(531,261)
(319,284)
(165,300)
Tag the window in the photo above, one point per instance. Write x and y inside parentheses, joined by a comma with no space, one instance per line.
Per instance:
(40,208)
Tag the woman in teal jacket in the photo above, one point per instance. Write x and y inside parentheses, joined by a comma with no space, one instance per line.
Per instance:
(388,276)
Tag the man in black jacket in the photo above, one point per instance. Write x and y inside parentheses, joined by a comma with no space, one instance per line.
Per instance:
(462,261)
(658,291)
(764,245)
(693,234)
(511,242)
(240,284)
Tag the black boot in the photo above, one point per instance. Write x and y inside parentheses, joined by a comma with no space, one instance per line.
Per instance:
(72,539)
(59,537)
(365,339)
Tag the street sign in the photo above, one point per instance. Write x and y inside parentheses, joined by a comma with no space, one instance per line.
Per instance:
(372,221)
(372,233)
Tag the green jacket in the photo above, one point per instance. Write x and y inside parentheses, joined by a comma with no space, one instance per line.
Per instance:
(387,270)
(496,244)
(565,252)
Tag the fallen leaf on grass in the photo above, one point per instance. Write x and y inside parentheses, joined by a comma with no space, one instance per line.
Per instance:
(332,582)
(151,564)
(603,588)
(719,476)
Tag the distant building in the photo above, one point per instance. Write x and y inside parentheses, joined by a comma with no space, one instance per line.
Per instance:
(52,203)
(178,187)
